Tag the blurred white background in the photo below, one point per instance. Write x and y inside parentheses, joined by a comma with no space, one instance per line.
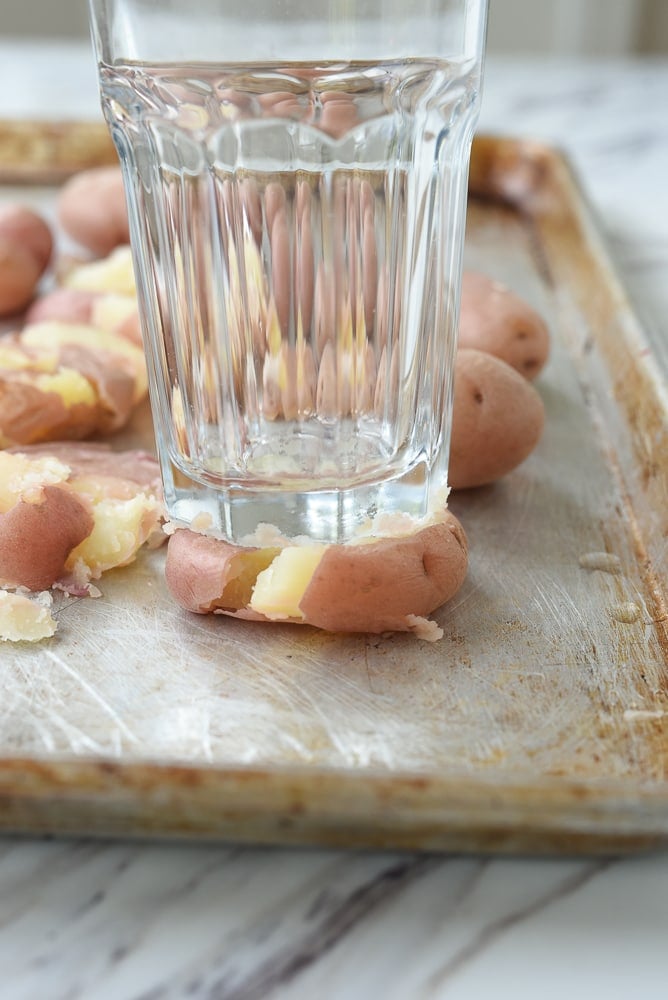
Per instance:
(553,27)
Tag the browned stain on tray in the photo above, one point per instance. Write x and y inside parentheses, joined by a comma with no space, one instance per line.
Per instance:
(302,806)
(539,723)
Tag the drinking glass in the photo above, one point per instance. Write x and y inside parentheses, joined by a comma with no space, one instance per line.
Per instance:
(296,178)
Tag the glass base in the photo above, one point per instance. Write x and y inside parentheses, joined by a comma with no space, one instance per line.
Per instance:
(328,515)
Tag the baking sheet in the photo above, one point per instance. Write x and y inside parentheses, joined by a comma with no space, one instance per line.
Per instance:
(538,723)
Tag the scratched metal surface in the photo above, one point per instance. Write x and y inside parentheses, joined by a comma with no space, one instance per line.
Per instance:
(552,668)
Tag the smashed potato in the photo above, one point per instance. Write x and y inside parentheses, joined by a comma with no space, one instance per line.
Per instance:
(67,381)
(70,513)
(378,584)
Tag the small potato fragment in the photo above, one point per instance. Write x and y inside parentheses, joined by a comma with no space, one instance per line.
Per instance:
(23,619)
(497,420)
(375,585)
(92,209)
(496,320)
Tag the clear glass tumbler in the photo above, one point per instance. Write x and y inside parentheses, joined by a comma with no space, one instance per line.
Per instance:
(296,176)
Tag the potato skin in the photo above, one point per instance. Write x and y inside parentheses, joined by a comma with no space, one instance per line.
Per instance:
(92,209)
(372,587)
(497,420)
(24,227)
(496,320)
(198,569)
(19,275)
(70,305)
(36,538)
(27,415)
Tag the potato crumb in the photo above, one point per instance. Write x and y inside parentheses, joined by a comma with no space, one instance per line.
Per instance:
(268,536)
(424,628)
(25,620)
(201,522)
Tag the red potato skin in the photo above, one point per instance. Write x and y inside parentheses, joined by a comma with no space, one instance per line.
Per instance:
(112,378)
(130,328)
(19,276)
(36,538)
(497,420)
(27,414)
(198,569)
(24,227)
(92,209)
(496,320)
(69,305)
(355,588)
(373,588)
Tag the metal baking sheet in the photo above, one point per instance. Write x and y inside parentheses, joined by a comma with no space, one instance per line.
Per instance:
(538,723)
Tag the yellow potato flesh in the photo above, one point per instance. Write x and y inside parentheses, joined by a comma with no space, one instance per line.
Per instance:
(19,475)
(49,335)
(112,274)
(23,620)
(117,534)
(70,385)
(109,311)
(280,588)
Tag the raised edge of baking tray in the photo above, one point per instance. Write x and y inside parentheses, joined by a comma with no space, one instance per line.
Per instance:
(540,721)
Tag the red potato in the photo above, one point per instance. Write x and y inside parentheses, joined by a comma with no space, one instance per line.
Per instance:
(497,420)
(496,320)
(92,209)
(24,227)
(19,276)
(381,585)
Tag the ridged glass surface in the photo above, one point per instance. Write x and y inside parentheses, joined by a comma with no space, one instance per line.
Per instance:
(297,236)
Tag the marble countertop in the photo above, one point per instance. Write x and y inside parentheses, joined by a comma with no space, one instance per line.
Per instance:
(81,919)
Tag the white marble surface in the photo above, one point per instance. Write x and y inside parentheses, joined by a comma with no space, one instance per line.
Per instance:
(110,921)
